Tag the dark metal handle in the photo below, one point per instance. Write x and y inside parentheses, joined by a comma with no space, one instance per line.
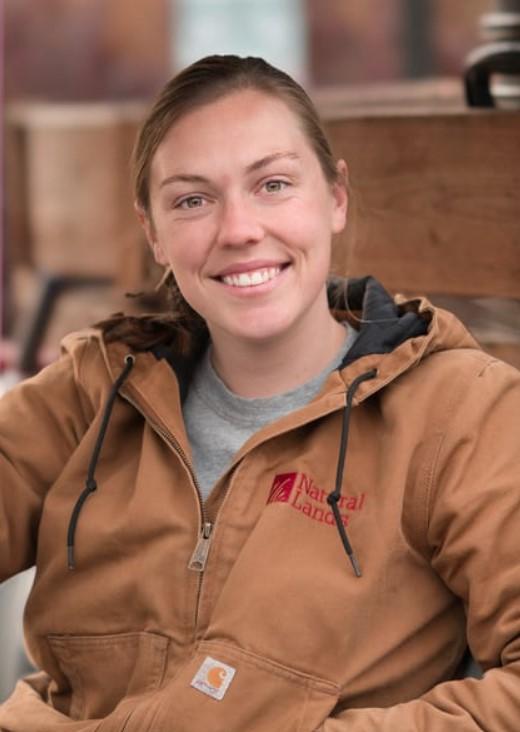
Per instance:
(502,57)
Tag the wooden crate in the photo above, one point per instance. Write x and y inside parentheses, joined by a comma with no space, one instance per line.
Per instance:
(78,199)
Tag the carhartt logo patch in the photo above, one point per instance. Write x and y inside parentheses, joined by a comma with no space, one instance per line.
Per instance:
(302,494)
(213,678)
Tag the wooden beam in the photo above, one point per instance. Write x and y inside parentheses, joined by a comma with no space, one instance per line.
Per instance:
(435,193)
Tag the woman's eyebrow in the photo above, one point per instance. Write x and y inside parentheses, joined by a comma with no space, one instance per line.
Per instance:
(256,165)
(183,178)
(268,159)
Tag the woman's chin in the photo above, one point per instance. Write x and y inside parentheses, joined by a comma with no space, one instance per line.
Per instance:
(253,329)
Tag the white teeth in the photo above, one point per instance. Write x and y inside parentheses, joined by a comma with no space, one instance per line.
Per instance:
(249,279)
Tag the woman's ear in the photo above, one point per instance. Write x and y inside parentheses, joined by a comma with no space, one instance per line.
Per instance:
(340,195)
(151,236)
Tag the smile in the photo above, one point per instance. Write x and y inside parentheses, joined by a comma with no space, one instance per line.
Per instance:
(253,278)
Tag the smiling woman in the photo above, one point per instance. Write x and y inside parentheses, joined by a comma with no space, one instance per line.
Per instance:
(243,215)
(279,505)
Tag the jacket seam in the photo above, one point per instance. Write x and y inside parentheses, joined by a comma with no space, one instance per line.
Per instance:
(300,678)
(457,399)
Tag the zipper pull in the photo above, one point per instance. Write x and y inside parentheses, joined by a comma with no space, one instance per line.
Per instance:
(200,555)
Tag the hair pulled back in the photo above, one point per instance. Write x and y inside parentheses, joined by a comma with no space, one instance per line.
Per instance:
(203,82)
(207,80)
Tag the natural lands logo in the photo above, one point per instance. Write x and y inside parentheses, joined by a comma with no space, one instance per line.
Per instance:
(302,494)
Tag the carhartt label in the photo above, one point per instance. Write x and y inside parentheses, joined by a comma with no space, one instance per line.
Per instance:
(213,678)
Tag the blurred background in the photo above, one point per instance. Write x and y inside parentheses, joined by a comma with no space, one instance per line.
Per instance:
(78,76)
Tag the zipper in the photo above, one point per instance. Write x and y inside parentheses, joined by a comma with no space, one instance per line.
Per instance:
(199,557)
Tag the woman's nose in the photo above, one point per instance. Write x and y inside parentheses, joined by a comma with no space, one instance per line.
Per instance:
(239,223)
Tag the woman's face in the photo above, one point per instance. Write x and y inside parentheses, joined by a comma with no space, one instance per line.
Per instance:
(243,215)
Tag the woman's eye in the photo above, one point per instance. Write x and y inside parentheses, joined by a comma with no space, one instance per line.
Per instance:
(275,186)
(190,202)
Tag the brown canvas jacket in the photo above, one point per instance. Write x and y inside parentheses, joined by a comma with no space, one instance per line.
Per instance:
(296,642)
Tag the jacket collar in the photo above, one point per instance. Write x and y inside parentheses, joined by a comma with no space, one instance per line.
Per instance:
(394,335)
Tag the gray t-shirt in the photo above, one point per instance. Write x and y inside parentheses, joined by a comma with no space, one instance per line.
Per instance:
(218,422)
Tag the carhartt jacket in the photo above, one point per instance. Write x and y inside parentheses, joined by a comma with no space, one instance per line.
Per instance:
(334,577)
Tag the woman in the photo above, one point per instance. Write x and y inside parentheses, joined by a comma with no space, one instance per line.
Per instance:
(296,515)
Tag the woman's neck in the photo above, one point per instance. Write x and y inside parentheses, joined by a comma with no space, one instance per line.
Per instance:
(255,369)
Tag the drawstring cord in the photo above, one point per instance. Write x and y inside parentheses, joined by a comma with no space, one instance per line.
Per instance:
(90,482)
(332,499)
(334,496)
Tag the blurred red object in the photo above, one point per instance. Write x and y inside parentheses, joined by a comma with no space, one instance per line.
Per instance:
(8,355)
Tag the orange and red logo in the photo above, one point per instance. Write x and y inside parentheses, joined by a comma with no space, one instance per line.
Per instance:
(213,678)
(302,494)
(216,676)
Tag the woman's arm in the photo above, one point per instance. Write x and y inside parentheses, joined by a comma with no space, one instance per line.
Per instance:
(472,537)
(41,422)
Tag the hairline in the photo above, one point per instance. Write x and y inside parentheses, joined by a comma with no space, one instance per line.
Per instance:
(226,87)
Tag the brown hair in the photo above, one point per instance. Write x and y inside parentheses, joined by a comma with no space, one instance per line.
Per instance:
(209,79)
(203,82)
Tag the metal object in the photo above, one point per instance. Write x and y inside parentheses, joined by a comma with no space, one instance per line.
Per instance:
(492,72)
(51,288)
(417,41)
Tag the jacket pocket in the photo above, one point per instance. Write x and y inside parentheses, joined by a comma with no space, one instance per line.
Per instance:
(260,696)
(100,670)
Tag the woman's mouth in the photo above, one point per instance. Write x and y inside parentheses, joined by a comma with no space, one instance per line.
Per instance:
(253,277)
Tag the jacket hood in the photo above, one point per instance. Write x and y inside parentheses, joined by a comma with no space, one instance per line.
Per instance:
(385,322)
(405,331)
(381,325)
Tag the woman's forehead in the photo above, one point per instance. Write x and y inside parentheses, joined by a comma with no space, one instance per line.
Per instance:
(236,111)
(248,125)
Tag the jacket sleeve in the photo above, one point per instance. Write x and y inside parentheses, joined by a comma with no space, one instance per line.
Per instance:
(41,422)
(473,540)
